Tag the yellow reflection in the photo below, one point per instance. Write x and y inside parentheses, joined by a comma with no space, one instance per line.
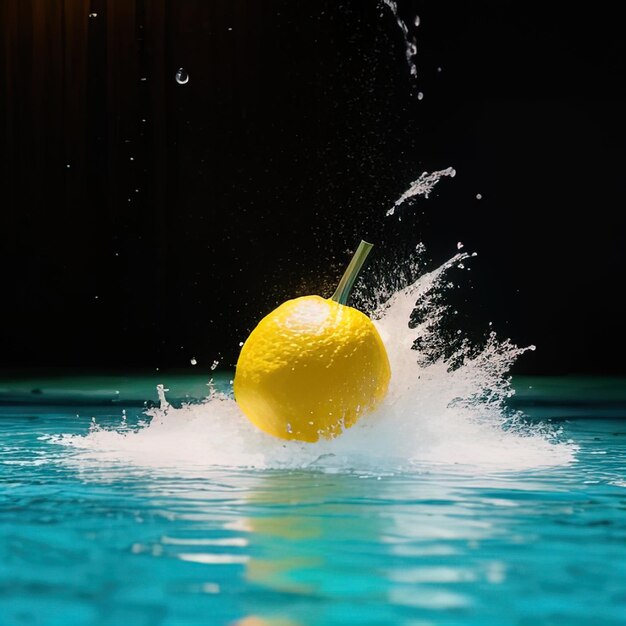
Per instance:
(254,620)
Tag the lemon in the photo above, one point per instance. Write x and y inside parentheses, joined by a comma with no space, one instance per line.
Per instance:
(313,366)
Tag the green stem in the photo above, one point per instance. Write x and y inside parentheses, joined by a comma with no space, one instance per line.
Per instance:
(346,283)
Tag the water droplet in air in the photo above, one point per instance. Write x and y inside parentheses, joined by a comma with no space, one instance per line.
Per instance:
(459,245)
(439,69)
(416,21)
(182,78)
(479,196)
(93,15)
(214,365)
(289,429)
(193,361)
(420,95)
(452,172)
(68,166)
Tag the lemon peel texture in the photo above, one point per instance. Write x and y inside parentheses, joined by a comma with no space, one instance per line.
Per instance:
(312,367)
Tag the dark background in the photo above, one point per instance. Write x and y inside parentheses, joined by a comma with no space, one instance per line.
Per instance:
(145,222)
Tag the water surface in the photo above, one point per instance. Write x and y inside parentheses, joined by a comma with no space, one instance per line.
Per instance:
(95,541)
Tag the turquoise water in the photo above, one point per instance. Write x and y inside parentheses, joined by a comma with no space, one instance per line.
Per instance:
(89,542)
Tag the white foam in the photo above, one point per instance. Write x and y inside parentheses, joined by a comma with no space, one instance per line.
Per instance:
(435,416)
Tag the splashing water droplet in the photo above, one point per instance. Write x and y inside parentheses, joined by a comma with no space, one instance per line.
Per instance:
(193,360)
(182,78)
(162,399)
(422,186)
(214,365)
(459,245)
(409,42)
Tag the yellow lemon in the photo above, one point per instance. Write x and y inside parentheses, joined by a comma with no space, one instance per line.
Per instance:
(312,366)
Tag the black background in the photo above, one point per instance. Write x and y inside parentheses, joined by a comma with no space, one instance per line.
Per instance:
(189,211)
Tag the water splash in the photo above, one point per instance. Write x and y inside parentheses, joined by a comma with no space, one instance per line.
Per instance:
(422,186)
(410,42)
(443,410)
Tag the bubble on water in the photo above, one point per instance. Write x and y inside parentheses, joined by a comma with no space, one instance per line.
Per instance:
(182,78)
(193,361)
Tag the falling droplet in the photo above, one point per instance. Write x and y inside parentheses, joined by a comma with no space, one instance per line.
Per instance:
(93,15)
(420,95)
(182,78)
(416,21)
(479,196)
(215,364)
(459,245)
(193,361)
